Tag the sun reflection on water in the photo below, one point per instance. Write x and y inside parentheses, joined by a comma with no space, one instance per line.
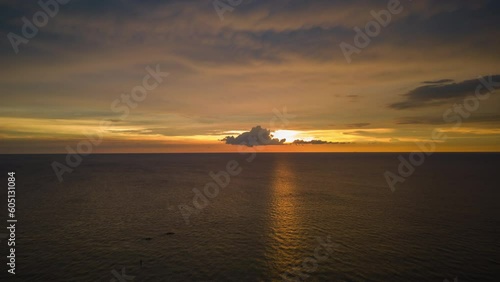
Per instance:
(285,221)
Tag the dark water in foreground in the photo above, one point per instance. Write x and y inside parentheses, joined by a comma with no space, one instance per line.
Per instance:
(115,210)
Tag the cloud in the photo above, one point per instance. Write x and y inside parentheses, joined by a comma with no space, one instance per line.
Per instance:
(318,142)
(257,136)
(437,81)
(477,118)
(437,94)
(358,125)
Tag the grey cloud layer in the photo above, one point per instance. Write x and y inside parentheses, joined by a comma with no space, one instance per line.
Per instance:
(439,93)
(490,118)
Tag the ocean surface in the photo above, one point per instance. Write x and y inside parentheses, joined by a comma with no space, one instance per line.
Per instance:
(310,217)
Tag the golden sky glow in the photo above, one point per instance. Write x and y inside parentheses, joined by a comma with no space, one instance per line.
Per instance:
(229,76)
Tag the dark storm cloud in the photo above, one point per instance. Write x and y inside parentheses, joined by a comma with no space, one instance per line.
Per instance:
(437,94)
(257,136)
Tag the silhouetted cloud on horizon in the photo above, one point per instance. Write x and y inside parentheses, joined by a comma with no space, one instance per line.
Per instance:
(257,136)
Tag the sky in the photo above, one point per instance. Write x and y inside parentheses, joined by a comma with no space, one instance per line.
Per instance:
(131,76)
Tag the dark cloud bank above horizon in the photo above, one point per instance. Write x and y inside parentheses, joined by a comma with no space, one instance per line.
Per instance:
(442,91)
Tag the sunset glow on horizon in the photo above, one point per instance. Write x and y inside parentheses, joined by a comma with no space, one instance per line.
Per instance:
(183,81)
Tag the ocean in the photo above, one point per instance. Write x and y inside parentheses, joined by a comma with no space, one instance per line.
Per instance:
(270,217)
